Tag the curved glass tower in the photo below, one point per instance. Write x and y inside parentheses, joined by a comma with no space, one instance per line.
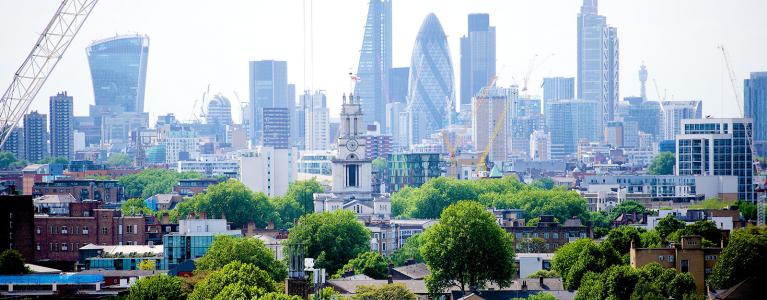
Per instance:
(430,92)
(118,72)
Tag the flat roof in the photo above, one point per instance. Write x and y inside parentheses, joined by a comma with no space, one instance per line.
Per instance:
(44,279)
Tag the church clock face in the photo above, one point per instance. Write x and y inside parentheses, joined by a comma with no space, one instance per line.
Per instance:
(352,145)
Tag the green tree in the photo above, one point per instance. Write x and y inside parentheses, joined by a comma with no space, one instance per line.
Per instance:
(743,257)
(668,224)
(576,259)
(543,183)
(384,292)
(627,207)
(648,282)
(147,264)
(532,245)
(150,182)
(621,237)
(327,293)
(288,209)
(226,249)
(467,248)
(119,160)
(713,203)
(379,164)
(600,223)
(748,210)
(409,250)
(303,191)
(331,238)
(650,239)
(233,199)
(236,280)
(663,164)
(369,263)
(134,207)
(6,159)
(158,286)
(54,160)
(704,228)
(278,296)
(544,274)
(12,263)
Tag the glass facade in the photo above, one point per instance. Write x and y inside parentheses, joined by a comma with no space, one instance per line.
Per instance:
(755,99)
(411,169)
(597,60)
(268,81)
(375,63)
(118,70)
(570,121)
(431,93)
(477,56)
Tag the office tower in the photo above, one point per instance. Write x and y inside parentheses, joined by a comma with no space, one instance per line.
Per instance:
(393,110)
(268,80)
(597,60)
(219,111)
(316,121)
(630,134)
(477,56)
(35,136)
(489,123)
(375,62)
(614,134)
(61,126)
(15,143)
(521,128)
(570,121)
(647,116)
(540,145)
(431,94)
(558,88)
(673,112)
(718,147)
(526,106)
(643,82)
(398,85)
(269,170)
(276,127)
(755,102)
(118,70)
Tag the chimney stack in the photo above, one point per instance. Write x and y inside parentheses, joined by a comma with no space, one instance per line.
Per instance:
(203,215)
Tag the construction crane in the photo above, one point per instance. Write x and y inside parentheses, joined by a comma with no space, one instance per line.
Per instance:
(198,117)
(46,53)
(530,69)
(760,218)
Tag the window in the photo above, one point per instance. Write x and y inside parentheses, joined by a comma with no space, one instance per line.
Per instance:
(37,247)
(85,229)
(104,231)
(661,258)
(383,247)
(555,235)
(545,235)
(132,229)
(37,230)
(64,247)
(64,230)
(685,266)
(670,258)
(710,257)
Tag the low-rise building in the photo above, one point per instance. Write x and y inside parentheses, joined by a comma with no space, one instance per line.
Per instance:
(687,256)
(268,170)
(193,240)
(118,257)
(191,187)
(529,263)
(552,232)
(211,166)
(108,191)
(411,169)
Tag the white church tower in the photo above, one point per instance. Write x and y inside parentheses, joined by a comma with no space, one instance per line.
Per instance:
(352,169)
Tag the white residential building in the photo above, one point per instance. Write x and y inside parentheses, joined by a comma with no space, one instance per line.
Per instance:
(268,170)
(316,121)
(540,145)
(210,166)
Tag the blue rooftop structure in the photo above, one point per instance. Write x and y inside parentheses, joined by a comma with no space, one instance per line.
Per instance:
(45,279)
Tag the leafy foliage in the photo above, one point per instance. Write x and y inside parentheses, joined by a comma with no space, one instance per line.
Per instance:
(12,263)
(467,248)
(226,249)
(668,224)
(544,274)
(384,292)
(135,206)
(532,245)
(543,183)
(236,280)
(575,259)
(627,207)
(409,250)
(648,282)
(288,209)
(369,263)
(119,160)
(158,286)
(743,257)
(332,238)
(54,160)
(379,163)
(704,228)
(147,264)
(712,203)
(663,164)
(302,192)
(233,199)
(152,181)
(7,159)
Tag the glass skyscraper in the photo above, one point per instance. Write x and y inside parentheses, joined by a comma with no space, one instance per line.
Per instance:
(755,102)
(558,88)
(477,56)
(375,63)
(570,121)
(431,93)
(118,71)
(597,60)
(268,82)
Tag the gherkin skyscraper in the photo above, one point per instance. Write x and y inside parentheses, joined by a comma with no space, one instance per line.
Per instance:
(431,90)
(375,63)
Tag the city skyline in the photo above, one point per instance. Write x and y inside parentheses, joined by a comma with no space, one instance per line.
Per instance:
(171,84)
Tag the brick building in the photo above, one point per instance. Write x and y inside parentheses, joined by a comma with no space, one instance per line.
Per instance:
(552,232)
(58,238)
(16,219)
(687,256)
(191,187)
(108,191)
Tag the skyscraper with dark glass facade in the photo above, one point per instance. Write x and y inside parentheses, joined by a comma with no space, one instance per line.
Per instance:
(375,63)
(477,56)
(431,92)
(62,134)
(35,136)
(118,71)
(755,99)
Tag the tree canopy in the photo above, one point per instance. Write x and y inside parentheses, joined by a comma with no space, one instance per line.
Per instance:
(226,249)
(384,292)
(135,206)
(668,225)
(627,207)
(12,262)
(663,164)
(234,200)
(467,248)
(743,257)
(119,160)
(150,182)
(235,280)
(575,259)
(648,282)
(369,263)
(158,286)
(409,250)
(331,238)
(302,192)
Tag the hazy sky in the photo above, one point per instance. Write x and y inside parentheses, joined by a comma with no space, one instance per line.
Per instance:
(196,43)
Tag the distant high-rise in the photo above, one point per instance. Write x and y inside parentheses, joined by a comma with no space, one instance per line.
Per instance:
(62,133)
(558,88)
(673,112)
(35,136)
(398,85)
(276,127)
(570,121)
(15,143)
(477,56)
(394,128)
(540,145)
(489,122)
(431,93)
(316,121)
(118,70)
(643,82)
(755,99)
(597,60)
(219,111)
(717,147)
(375,62)
(268,80)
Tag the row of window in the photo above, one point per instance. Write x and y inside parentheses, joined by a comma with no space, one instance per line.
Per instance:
(64,230)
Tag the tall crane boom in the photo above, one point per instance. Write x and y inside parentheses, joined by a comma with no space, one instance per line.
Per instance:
(50,47)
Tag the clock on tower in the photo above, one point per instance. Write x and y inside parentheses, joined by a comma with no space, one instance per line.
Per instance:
(351,167)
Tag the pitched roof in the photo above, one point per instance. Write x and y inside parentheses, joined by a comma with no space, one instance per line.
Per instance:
(414,271)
